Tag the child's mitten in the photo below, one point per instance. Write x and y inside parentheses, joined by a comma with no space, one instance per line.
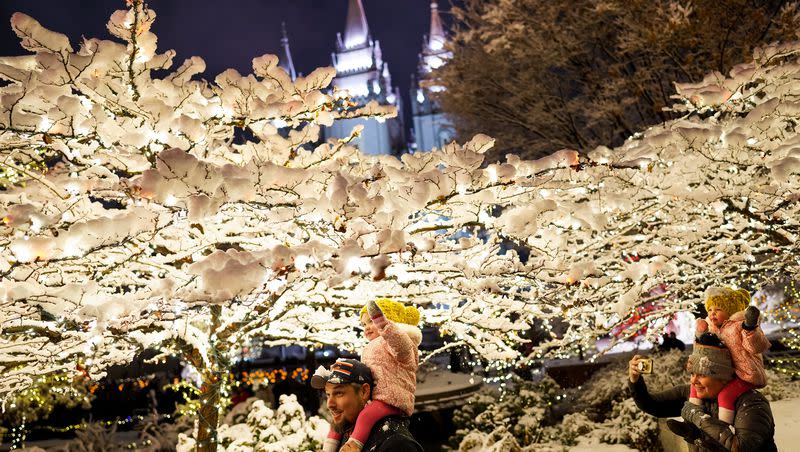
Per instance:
(751,315)
(376,314)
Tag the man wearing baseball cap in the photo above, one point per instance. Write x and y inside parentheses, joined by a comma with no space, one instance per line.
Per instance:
(711,368)
(348,387)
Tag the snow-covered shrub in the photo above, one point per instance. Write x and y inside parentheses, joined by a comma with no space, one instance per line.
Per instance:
(521,412)
(499,439)
(780,386)
(610,384)
(156,436)
(478,403)
(600,409)
(572,427)
(627,424)
(93,437)
(252,426)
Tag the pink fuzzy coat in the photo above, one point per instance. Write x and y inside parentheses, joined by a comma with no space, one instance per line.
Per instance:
(394,358)
(746,348)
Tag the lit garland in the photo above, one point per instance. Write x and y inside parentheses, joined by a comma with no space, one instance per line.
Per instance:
(129,420)
(260,377)
(38,401)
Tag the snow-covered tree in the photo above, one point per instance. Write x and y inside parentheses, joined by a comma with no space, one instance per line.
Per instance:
(170,212)
(717,194)
(148,211)
(540,75)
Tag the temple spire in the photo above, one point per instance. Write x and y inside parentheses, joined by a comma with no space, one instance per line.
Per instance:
(286,54)
(434,54)
(436,38)
(356,32)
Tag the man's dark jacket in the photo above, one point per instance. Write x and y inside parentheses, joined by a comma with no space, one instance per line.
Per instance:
(753,428)
(390,434)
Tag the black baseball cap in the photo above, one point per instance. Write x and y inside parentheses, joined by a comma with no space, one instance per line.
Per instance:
(343,371)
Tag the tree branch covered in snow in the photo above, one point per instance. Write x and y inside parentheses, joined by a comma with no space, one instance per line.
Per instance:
(135,215)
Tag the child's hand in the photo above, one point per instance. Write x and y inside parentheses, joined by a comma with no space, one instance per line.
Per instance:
(701,327)
(751,315)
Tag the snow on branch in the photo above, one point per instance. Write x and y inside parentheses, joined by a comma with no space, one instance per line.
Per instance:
(132,219)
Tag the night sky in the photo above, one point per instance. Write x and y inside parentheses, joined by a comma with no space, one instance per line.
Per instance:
(228,34)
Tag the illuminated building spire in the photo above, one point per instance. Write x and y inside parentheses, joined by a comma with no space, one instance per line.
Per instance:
(286,56)
(356,32)
(432,128)
(364,76)
(436,37)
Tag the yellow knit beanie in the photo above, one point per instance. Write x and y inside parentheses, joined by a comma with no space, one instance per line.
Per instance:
(728,299)
(396,312)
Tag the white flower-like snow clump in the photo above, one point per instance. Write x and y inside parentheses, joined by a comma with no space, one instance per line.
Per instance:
(267,430)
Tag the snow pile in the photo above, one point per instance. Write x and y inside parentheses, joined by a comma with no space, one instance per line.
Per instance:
(252,426)
(787,423)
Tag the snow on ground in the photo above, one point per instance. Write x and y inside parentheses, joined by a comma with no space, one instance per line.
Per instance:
(592,446)
(787,423)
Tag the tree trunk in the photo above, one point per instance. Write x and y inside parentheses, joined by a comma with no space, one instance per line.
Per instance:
(210,398)
(208,415)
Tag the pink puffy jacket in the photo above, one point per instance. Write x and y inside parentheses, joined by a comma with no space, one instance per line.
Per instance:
(394,358)
(746,348)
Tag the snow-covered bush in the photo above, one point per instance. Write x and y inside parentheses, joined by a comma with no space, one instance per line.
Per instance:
(521,412)
(252,426)
(780,386)
(93,437)
(610,384)
(600,409)
(156,436)
(574,426)
(499,439)
(627,424)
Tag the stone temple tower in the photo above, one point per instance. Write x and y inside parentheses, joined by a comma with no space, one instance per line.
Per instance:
(361,71)
(431,127)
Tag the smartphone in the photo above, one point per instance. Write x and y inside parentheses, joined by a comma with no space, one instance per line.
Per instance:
(645,365)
